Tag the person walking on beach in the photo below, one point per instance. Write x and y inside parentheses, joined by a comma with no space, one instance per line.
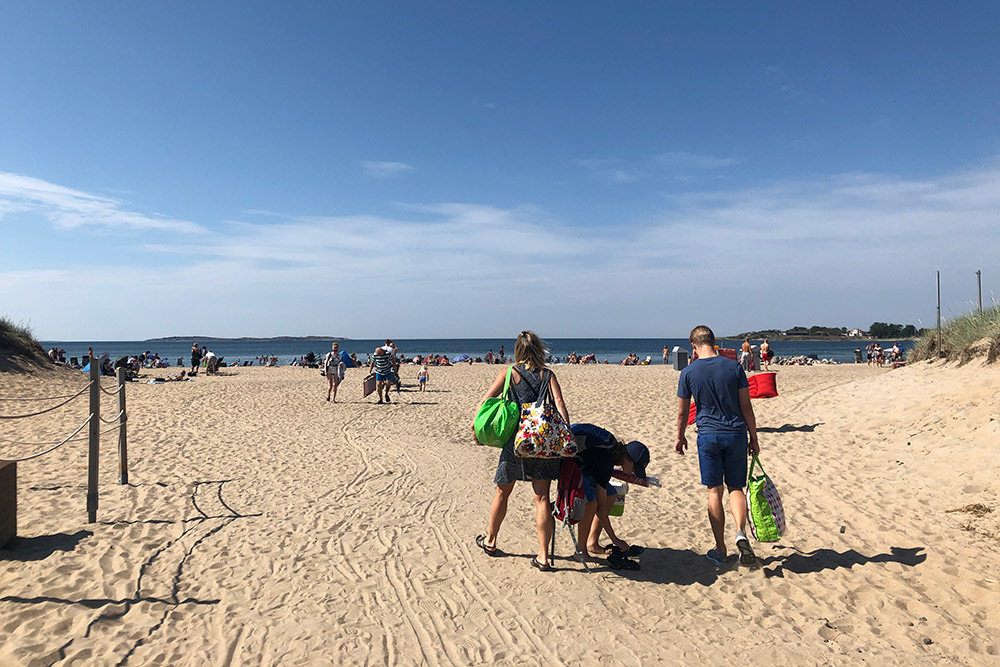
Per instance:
(382,365)
(746,354)
(422,377)
(195,358)
(765,355)
(727,431)
(666,355)
(334,368)
(527,379)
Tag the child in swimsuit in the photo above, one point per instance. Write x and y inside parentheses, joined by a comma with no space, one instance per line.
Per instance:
(422,377)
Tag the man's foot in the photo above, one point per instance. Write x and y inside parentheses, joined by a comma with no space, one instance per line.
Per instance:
(747,556)
(717,557)
(387,397)
(327,399)
(598,550)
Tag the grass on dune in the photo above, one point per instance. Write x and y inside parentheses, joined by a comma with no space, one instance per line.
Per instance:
(962,339)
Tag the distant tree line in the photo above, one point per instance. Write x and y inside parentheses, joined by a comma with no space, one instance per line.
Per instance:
(876,330)
(883,330)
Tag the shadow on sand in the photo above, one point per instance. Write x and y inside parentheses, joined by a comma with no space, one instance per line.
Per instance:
(24,549)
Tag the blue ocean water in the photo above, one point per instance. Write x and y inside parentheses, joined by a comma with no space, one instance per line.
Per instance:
(611,349)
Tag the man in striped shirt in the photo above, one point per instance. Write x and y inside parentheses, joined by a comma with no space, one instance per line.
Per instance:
(382,365)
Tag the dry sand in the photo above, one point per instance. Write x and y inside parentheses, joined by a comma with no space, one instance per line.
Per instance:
(265,526)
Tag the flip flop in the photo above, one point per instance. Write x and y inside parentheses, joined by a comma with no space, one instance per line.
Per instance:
(481,543)
(747,556)
(633,550)
(616,561)
(541,567)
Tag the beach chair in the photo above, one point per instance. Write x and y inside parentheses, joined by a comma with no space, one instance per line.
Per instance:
(570,505)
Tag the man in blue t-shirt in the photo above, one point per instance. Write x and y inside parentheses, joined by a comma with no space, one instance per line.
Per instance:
(724,417)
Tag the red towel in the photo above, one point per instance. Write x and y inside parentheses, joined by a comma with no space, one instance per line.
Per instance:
(762,385)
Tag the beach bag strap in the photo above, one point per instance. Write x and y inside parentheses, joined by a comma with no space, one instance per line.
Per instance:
(543,391)
(506,384)
(755,462)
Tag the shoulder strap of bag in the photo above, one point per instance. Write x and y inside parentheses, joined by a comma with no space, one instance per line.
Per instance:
(755,462)
(543,390)
(506,384)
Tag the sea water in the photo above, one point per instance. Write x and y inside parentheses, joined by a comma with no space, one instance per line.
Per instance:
(613,350)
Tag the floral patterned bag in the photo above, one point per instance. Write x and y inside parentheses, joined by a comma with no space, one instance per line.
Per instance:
(543,433)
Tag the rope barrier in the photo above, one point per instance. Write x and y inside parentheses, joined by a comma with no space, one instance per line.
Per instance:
(109,430)
(47,398)
(110,393)
(52,449)
(37,444)
(54,407)
(113,419)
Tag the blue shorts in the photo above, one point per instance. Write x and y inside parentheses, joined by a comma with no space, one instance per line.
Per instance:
(382,377)
(722,458)
(590,488)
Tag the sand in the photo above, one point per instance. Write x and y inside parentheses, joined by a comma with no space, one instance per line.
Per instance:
(265,526)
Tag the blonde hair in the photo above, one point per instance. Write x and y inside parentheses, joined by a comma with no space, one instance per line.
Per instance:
(702,335)
(530,350)
(335,347)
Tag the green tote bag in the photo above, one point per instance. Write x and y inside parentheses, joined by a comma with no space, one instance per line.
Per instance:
(497,420)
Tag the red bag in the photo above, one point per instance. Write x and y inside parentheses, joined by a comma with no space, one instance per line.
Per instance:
(570,499)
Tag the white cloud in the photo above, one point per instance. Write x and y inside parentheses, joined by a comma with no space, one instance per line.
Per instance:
(385,169)
(68,208)
(844,250)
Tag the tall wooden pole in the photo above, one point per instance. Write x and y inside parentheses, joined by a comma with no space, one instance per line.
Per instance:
(95,438)
(939,313)
(122,436)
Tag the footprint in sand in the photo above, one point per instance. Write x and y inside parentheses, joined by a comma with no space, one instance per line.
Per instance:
(541,625)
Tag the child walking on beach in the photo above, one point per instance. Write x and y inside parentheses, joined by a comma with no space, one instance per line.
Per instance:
(422,377)
(333,367)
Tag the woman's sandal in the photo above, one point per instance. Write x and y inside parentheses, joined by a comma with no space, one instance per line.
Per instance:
(541,567)
(481,543)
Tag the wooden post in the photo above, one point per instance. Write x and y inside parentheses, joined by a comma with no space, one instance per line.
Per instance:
(8,502)
(979,286)
(95,439)
(122,436)
(939,314)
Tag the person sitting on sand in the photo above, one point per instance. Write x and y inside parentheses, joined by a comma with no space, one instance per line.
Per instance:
(422,377)
(527,379)
(727,432)
(333,368)
(601,452)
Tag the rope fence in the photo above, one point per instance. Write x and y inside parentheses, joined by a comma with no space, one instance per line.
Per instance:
(8,470)
(54,407)
(51,449)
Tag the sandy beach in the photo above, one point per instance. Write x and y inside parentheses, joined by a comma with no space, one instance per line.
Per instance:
(265,526)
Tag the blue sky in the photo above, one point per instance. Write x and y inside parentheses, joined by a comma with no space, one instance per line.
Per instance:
(454,169)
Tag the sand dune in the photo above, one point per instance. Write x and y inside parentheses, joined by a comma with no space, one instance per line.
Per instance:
(264,525)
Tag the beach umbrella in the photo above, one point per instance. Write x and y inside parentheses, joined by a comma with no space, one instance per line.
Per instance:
(461,357)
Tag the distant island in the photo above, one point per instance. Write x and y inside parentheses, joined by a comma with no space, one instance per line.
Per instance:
(877,331)
(252,339)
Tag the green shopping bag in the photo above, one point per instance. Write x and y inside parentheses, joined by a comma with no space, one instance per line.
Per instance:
(497,419)
(764,509)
